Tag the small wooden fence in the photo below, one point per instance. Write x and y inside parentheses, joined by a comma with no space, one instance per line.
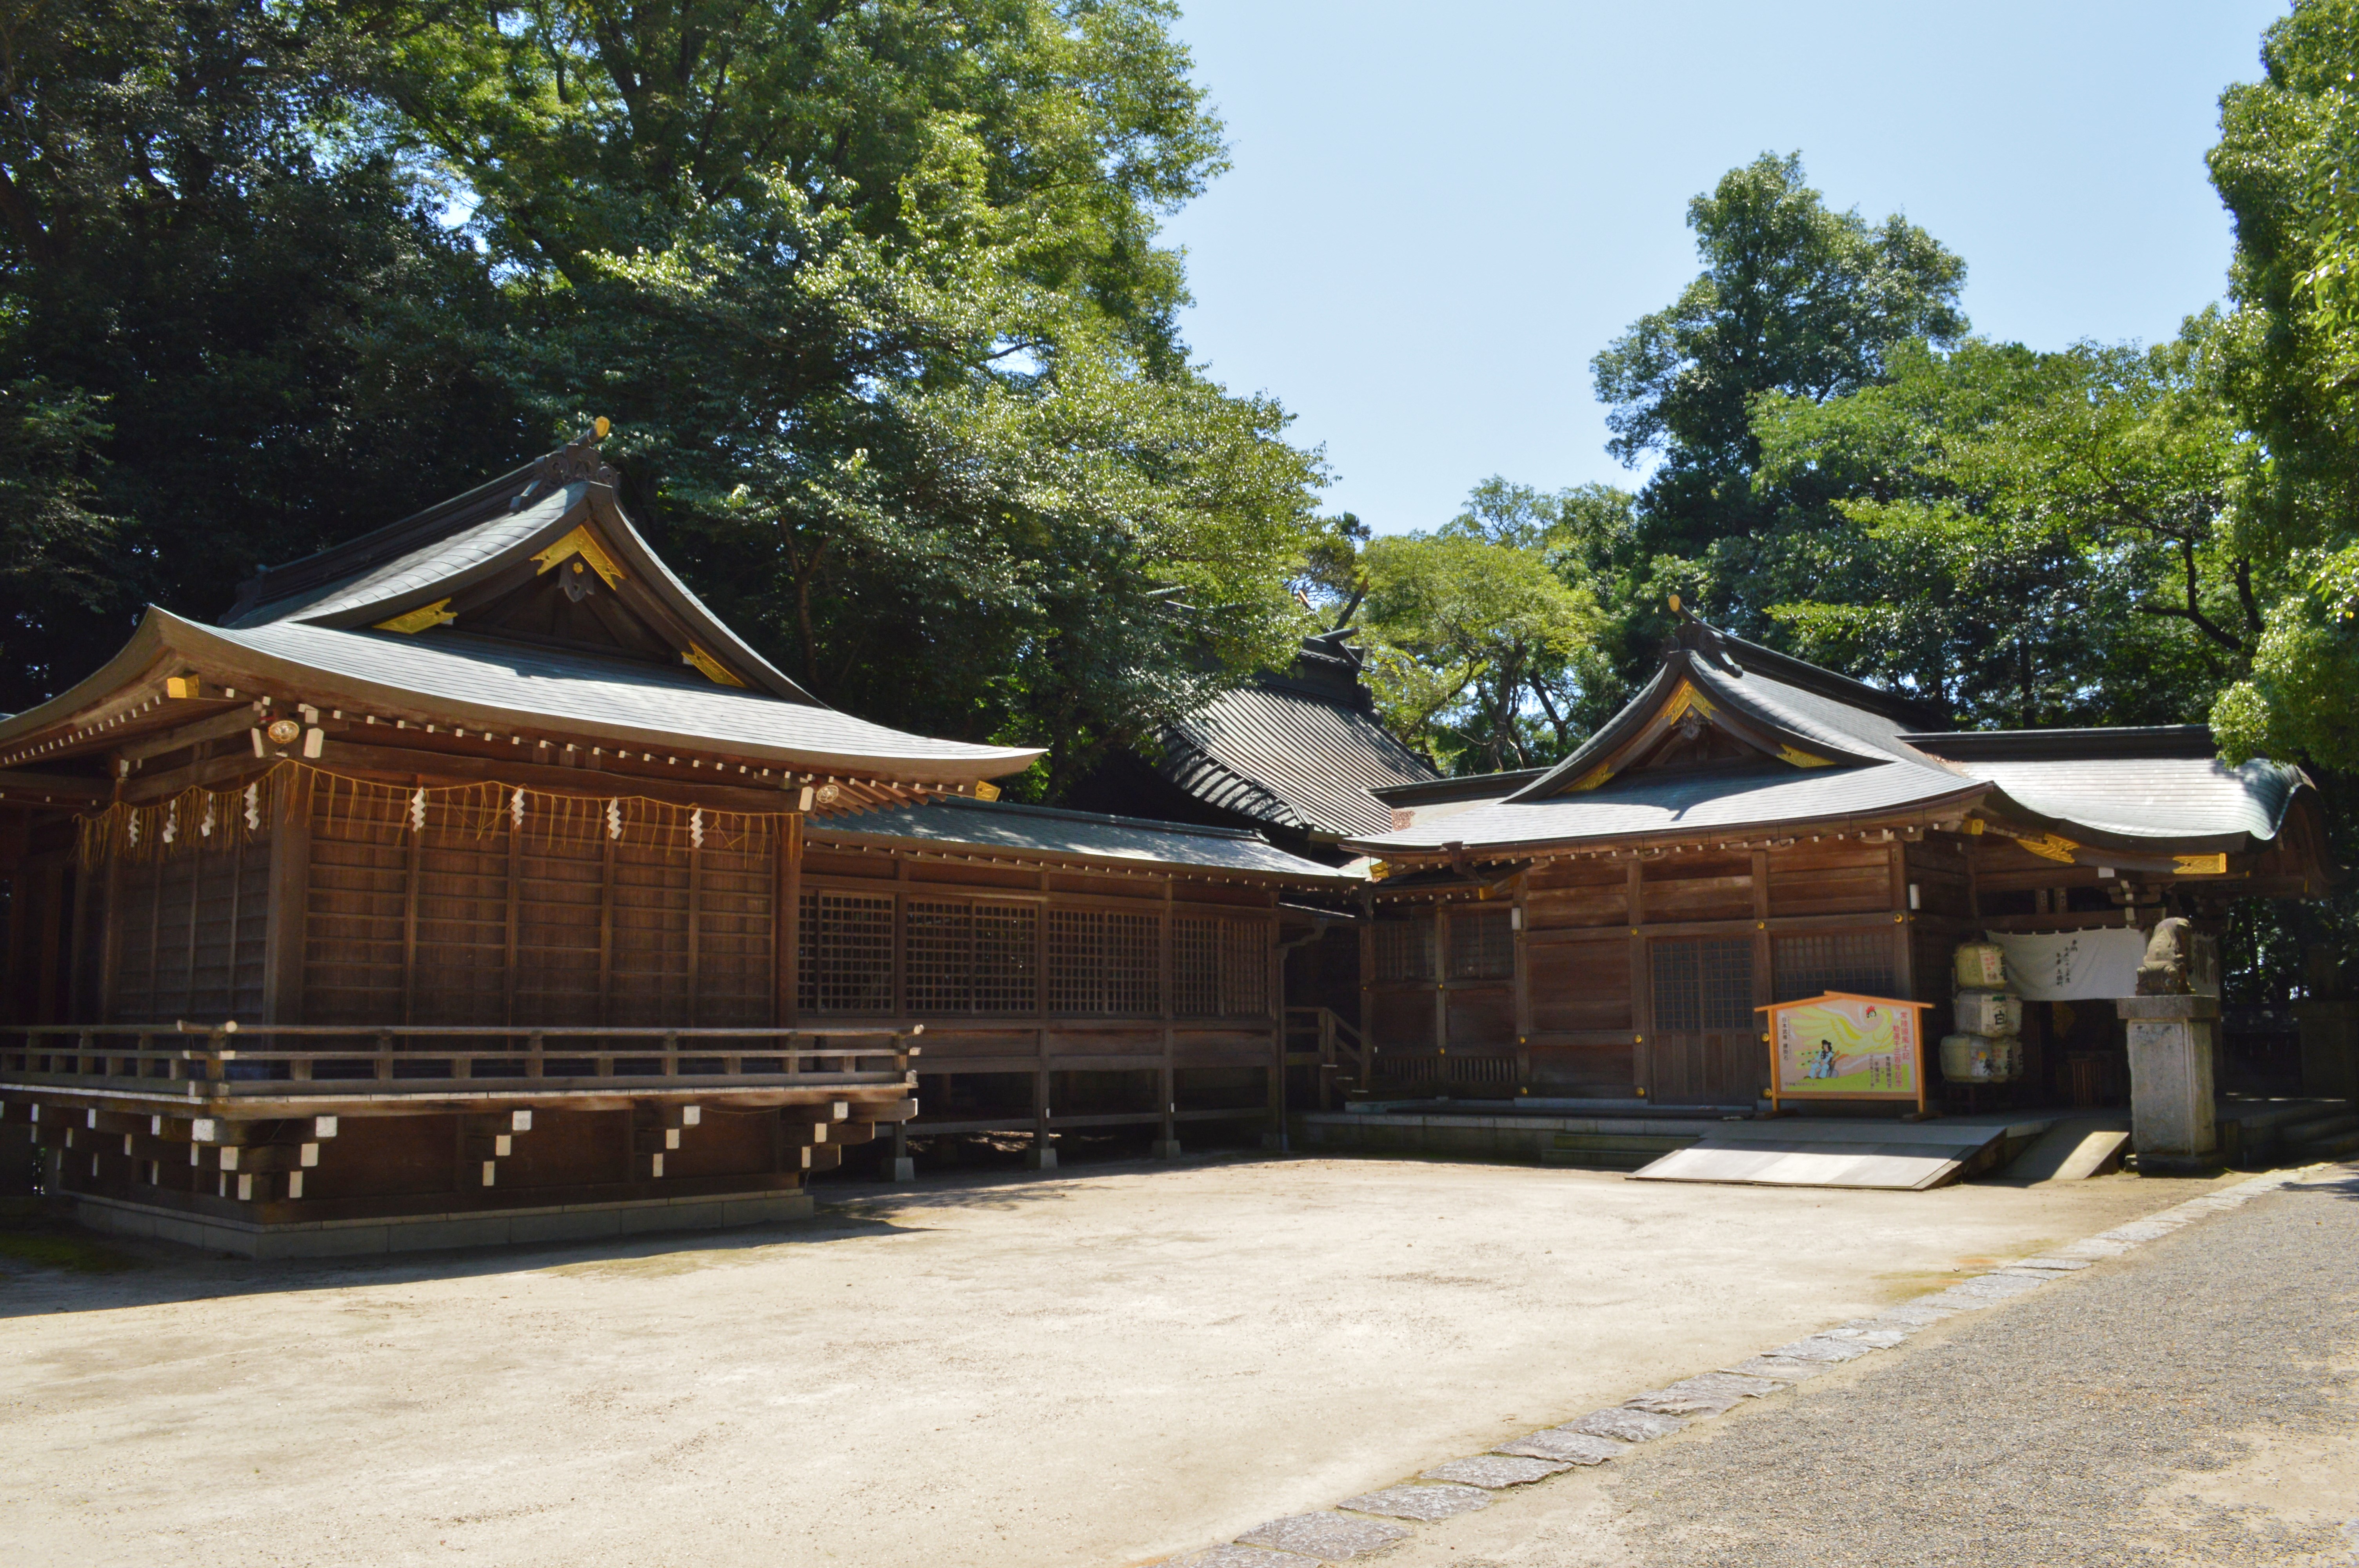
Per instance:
(292,1060)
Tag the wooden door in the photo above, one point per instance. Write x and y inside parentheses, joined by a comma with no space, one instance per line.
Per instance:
(1705,1046)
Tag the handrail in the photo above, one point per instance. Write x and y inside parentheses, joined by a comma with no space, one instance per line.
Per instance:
(403,1060)
(1335,1051)
(650,1032)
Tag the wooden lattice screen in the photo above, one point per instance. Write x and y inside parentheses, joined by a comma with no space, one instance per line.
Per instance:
(962,956)
(1810,963)
(846,942)
(1104,962)
(1403,949)
(1220,969)
(1481,944)
(1702,985)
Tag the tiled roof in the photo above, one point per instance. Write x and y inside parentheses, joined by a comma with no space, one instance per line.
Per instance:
(1276,755)
(646,704)
(2119,789)
(1713,799)
(1002,825)
(2183,799)
(435,561)
(1298,750)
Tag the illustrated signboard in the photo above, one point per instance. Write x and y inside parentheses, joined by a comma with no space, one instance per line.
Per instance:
(1840,1046)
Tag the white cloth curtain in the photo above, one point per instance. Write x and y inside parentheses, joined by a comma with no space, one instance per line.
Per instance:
(2073,965)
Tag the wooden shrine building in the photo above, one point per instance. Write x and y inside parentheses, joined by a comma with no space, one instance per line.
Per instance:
(471,881)
(1293,755)
(1753,829)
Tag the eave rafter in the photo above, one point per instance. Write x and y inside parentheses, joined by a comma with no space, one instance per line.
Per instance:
(176,712)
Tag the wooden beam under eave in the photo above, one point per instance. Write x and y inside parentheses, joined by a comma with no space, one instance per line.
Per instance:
(23,786)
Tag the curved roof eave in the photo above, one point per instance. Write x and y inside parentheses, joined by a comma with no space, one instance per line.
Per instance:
(161,631)
(130,661)
(2102,836)
(1970,793)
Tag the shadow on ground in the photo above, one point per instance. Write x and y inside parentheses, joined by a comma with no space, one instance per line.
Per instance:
(51,1267)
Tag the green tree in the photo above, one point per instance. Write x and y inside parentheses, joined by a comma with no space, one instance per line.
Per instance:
(874,297)
(2288,167)
(2025,539)
(225,322)
(1483,633)
(1794,299)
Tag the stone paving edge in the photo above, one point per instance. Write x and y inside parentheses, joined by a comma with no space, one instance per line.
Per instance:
(1569,1444)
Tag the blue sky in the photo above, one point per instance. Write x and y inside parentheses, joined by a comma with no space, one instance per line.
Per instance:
(1439,213)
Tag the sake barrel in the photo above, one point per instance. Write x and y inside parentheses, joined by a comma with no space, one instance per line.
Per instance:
(1989,1012)
(1982,965)
(1971,1058)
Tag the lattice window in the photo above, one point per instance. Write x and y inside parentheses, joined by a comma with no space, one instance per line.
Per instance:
(1195,967)
(1102,962)
(1856,961)
(939,952)
(1245,968)
(1482,945)
(969,957)
(1220,969)
(1702,986)
(1404,949)
(1006,958)
(846,947)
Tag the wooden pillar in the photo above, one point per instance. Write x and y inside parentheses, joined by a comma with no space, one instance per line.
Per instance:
(1902,959)
(1368,940)
(106,1010)
(412,847)
(1274,985)
(77,957)
(1167,1146)
(1043,1154)
(1642,990)
(512,917)
(1440,977)
(786,924)
(695,932)
(285,926)
(1765,978)
(605,925)
(1518,918)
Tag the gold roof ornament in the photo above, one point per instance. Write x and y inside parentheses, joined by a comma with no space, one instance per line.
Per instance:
(584,544)
(708,667)
(412,621)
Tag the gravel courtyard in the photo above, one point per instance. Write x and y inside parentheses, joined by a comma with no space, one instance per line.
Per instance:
(1096,1367)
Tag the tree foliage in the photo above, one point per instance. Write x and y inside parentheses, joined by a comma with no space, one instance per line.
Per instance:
(2287,166)
(2025,539)
(871,293)
(1482,634)
(873,296)
(220,318)
(1794,299)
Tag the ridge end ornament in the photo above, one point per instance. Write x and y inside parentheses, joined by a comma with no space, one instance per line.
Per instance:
(579,460)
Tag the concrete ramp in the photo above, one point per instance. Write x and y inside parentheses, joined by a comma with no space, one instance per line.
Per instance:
(1825,1153)
(2073,1151)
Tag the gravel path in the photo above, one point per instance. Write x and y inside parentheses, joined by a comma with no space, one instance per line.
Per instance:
(2194,1402)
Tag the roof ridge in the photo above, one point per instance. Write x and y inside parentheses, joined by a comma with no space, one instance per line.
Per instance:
(1069,813)
(577,459)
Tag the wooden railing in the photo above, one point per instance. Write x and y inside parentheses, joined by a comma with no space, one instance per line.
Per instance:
(325,1061)
(1318,1036)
